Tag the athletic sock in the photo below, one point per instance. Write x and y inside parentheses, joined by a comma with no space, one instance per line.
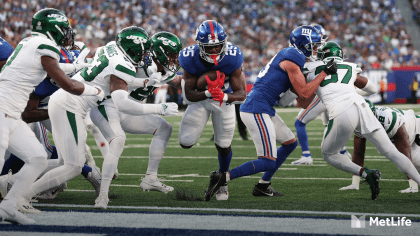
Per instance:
(302,136)
(252,167)
(224,162)
(85,170)
(282,153)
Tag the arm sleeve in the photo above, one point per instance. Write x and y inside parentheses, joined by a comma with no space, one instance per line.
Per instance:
(369,89)
(287,98)
(127,106)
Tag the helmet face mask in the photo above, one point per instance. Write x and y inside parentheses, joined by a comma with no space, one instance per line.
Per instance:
(330,50)
(135,43)
(53,24)
(211,34)
(307,40)
(166,48)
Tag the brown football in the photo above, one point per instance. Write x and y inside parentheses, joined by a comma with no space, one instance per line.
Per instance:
(202,82)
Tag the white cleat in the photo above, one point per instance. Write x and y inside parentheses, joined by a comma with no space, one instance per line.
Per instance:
(304,161)
(153,184)
(5,184)
(95,178)
(25,206)
(101,202)
(410,190)
(52,192)
(222,194)
(13,216)
(351,186)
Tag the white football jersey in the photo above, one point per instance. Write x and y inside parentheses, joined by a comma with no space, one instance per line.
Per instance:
(337,91)
(109,60)
(23,71)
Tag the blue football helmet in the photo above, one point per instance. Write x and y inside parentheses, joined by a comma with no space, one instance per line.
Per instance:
(210,34)
(66,56)
(322,30)
(307,40)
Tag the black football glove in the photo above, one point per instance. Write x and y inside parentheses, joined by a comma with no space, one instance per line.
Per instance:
(331,67)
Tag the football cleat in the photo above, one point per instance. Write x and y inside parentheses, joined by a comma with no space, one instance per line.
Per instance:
(372,178)
(217,179)
(13,216)
(264,190)
(115,174)
(414,187)
(5,184)
(52,192)
(222,194)
(304,161)
(94,177)
(351,186)
(24,205)
(101,202)
(153,184)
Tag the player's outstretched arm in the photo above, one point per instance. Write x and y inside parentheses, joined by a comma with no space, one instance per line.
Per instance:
(364,84)
(189,88)
(119,94)
(359,150)
(32,113)
(63,81)
(402,142)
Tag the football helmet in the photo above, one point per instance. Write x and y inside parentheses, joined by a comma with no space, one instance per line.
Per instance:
(210,34)
(53,24)
(371,106)
(329,51)
(321,30)
(307,40)
(135,43)
(166,48)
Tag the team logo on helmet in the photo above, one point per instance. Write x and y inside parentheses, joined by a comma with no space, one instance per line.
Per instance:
(167,42)
(137,39)
(58,17)
(306,32)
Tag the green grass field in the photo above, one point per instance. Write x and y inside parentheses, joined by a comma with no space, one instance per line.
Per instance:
(307,188)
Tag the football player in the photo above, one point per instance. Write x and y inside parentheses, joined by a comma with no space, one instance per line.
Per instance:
(30,62)
(114,123)
(402,128)
(113,71)
(5,51)
(212,53)
(348,112)
(265,126)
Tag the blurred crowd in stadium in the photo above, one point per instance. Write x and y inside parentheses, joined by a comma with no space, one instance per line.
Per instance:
(260,28)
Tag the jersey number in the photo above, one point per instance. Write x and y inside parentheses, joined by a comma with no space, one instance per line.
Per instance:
(15,52)
(334,78)
(89,74)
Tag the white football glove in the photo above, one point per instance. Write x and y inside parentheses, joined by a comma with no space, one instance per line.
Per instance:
(80,62)
(101,95)
(155,78)
(169,109)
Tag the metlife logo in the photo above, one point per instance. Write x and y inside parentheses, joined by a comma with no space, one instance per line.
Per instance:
(360,222)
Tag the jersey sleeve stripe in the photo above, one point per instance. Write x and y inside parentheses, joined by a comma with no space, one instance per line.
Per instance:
(125,70)
(394,120)
(48,47)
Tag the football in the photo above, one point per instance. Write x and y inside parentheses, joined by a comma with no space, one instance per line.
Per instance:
(202,82)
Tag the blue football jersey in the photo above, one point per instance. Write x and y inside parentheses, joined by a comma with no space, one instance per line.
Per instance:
(271,82)
(189,58)
(5,50)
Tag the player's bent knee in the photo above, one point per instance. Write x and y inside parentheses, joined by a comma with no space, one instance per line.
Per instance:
(186,141)
(164,131)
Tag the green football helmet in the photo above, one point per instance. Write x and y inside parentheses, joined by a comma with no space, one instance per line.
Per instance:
(135,43)
(166,48)
(53,24)
(330,50)
(371,106)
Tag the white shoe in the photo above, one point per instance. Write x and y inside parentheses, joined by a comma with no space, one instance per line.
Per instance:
(153,184)
(222,194)
(13,216)
(304,161)
(5,184)
(410,190)
(25,206)
(351,186)
(94,178)
(101,202)
(115,174)
(52,192)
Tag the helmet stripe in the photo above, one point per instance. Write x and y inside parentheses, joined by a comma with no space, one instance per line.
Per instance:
(65,56)
(212,30)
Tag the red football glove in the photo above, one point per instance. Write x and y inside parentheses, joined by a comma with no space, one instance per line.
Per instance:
(218,83)
(217,94)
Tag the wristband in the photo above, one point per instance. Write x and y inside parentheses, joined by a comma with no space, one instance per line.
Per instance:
(208,94)
(225,98)
(89,91)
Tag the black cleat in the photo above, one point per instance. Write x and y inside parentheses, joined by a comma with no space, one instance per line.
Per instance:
(264,190)
(372,178)
(217,179)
